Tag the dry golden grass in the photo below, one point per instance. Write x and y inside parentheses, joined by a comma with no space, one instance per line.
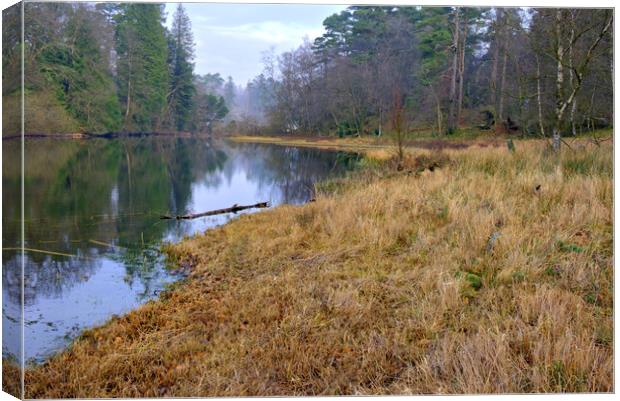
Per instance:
(11,378)
(464,279)
(362,145)
(379,148)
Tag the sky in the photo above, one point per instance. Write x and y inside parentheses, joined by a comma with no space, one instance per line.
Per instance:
(231,38)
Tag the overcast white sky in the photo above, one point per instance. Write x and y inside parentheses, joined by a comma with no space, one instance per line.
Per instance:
(230,38)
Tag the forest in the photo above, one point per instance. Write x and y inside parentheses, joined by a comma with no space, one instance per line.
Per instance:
(530,71)
(105,67)
(116,67)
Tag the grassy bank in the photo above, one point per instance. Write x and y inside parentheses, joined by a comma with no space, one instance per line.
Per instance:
(470,271)
(382,148)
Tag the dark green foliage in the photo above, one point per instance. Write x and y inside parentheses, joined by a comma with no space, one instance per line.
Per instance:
(591,298)
(434,39)
(470,285)
(345,129)
(66,55)
(181,70)
(209,109)
(79,72)
(334,41)
(142,69)
(474,280)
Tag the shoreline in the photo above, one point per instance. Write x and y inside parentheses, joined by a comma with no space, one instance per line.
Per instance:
(371,146)
(280,294)
(107,135)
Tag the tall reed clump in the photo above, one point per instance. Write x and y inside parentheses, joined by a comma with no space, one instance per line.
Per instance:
(489,273)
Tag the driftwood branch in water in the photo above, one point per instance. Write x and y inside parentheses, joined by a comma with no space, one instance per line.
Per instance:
(233,209)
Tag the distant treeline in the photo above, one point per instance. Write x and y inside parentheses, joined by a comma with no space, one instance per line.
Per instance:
(110,67)
(536,71)
(104,67)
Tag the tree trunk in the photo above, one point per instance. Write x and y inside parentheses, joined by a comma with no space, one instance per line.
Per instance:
(129,67)
(461,72)
(538,95)
(500,111)
(591,110)
(561,104)
(558,82)
(438,108)
(128,98)
(493,80)
(455,58)
(571,78)
(380,120)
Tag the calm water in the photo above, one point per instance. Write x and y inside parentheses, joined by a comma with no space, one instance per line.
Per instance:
(92,222)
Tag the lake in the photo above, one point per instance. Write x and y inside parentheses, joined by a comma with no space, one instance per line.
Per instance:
(92,221)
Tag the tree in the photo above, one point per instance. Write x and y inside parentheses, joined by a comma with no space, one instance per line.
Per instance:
(142,72)
(210,83)
(67,59)
(209,110)
(181,70)
(579,46)
(229,92)
(87,86)
(454,49)
(434,41)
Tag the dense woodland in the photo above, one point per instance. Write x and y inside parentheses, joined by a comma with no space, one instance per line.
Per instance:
(534,71)
(109,67)
(116,67)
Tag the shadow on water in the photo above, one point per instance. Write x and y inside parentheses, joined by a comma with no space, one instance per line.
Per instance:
(92,227)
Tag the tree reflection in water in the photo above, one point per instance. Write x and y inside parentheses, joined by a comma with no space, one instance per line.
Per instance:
(92,218)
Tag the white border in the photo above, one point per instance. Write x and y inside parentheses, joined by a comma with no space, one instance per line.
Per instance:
(481,3)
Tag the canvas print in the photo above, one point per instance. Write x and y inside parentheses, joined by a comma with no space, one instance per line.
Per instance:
(218,199)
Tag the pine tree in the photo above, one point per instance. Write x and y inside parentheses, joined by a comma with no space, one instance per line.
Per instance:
(142,71)
(181,69)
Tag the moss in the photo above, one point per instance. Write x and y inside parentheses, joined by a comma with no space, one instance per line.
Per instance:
(518,276)
(568,247)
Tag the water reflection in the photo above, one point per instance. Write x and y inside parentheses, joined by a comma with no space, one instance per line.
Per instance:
(92,227)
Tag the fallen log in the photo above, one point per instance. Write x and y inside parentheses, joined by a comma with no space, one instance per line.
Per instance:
(233,209)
